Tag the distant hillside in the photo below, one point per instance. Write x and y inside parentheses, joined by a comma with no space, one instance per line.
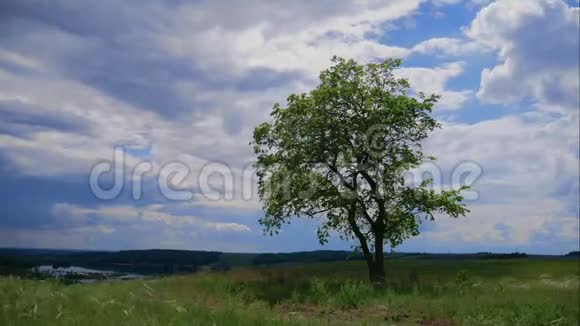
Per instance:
(305,257)
(154,261)
(158,261)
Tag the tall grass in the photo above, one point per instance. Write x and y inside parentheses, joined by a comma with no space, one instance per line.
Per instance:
(506,292)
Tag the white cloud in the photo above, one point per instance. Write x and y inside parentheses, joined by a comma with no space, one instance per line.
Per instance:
(538,44)
(62,122)
(529,186)
(18,59)
(449,46)
(291,41)
(140,215)
(65,107)
(434,80)
(224,41)
(446,2)
(517,223)
(521,156)
(72,238)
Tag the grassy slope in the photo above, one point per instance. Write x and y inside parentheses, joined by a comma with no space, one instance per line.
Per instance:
(472,292)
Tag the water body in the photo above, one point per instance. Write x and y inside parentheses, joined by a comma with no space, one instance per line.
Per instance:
(84,275)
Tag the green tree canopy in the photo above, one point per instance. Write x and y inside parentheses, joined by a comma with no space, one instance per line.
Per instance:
(340,152)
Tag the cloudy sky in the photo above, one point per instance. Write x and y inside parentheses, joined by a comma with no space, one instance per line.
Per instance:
(177,84)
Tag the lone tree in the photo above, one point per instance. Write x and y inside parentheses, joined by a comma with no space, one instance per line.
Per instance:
(340,152)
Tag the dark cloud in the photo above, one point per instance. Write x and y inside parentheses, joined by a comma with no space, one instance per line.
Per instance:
(19,120)
(116,54)
(26,201)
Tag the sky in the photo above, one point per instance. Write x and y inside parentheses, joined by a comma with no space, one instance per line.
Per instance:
(125,124)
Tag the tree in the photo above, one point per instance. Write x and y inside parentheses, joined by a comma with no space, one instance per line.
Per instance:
(340,152)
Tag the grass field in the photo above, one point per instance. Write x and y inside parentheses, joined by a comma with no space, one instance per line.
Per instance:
(419,291)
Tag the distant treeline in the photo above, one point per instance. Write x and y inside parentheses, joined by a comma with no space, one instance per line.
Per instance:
(305,257)
(489,255)
(157,261)
(154,261)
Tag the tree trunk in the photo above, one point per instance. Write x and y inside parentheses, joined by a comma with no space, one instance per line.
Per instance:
(376,261)
(377,272)
(376,264)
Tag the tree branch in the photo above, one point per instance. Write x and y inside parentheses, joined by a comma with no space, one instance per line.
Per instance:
(361,237)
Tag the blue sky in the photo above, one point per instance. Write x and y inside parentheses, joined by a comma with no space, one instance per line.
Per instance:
(186,81)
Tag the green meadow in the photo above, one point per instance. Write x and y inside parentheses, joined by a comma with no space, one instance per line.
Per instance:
(418,292)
